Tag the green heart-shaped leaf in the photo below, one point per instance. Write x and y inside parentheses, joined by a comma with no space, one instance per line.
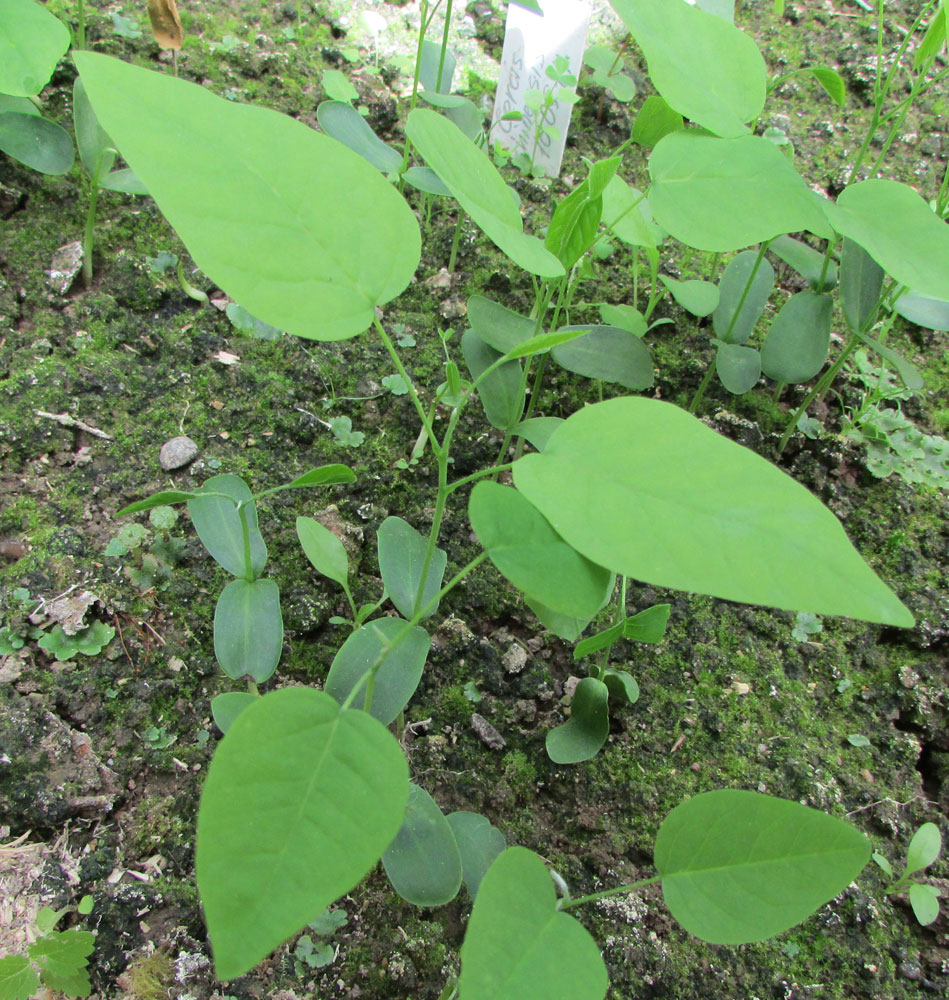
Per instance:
(326,791)
(518,946)
(737,866)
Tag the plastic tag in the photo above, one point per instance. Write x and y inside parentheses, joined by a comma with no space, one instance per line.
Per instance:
(532,44)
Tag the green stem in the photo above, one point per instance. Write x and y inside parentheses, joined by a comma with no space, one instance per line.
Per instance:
(441,55)
(819,388)
(703,385)
(453,256)
(619,890)
(618,617)
(493,471)
(413,395)
(249,575)
(81,32)
(88,242)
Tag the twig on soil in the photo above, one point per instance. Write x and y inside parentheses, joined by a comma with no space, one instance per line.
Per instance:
(880,802)
(118,628)
(18,846)
(67,421)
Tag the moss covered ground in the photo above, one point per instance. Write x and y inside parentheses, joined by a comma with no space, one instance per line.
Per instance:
(102,756)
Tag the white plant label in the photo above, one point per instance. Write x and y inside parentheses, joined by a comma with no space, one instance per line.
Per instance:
(531,45)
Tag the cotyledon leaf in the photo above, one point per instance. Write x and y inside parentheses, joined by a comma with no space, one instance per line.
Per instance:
(304,233)
(327,790)
(647,490)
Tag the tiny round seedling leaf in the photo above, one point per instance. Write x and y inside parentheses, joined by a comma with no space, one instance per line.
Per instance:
(397,677)
(738,368)
(526,549)
(423,863)
(327,789)
(584,733)
(479,843)
(737,866)
(622,686)
(924,899)
(924,848)
(519,946)
(248,629)
(697,297)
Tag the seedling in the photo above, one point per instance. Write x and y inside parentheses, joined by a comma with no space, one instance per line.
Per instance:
(89,641)
(629,487)
(924,849)
(56,961)
(18,627)
(154,549)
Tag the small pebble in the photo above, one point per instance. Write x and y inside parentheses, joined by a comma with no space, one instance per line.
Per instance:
(65,266)
(177,453)
(489,736)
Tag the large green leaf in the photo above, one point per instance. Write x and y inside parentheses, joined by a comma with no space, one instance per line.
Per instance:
(725,194)
(737,866)
(627,214)
(31,43)
(610,354)
(808,263)
(924,310)
(300,802)
(423,863)
(797,343)
(647,490)
(526,550)
(218,525)
(703,66)
(248,629)
(479,843)
(582,735)
(405,648)
(42,145)
(305,234)
(477,186)
(899,231)
(519,946)
(401,562)
(654,120)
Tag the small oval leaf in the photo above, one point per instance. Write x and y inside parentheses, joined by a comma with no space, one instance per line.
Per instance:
(584,733)
(218,524)
(248,629)
(401,561)
(423,863)
(479,843)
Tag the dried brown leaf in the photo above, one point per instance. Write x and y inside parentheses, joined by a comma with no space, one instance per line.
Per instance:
(166,25)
